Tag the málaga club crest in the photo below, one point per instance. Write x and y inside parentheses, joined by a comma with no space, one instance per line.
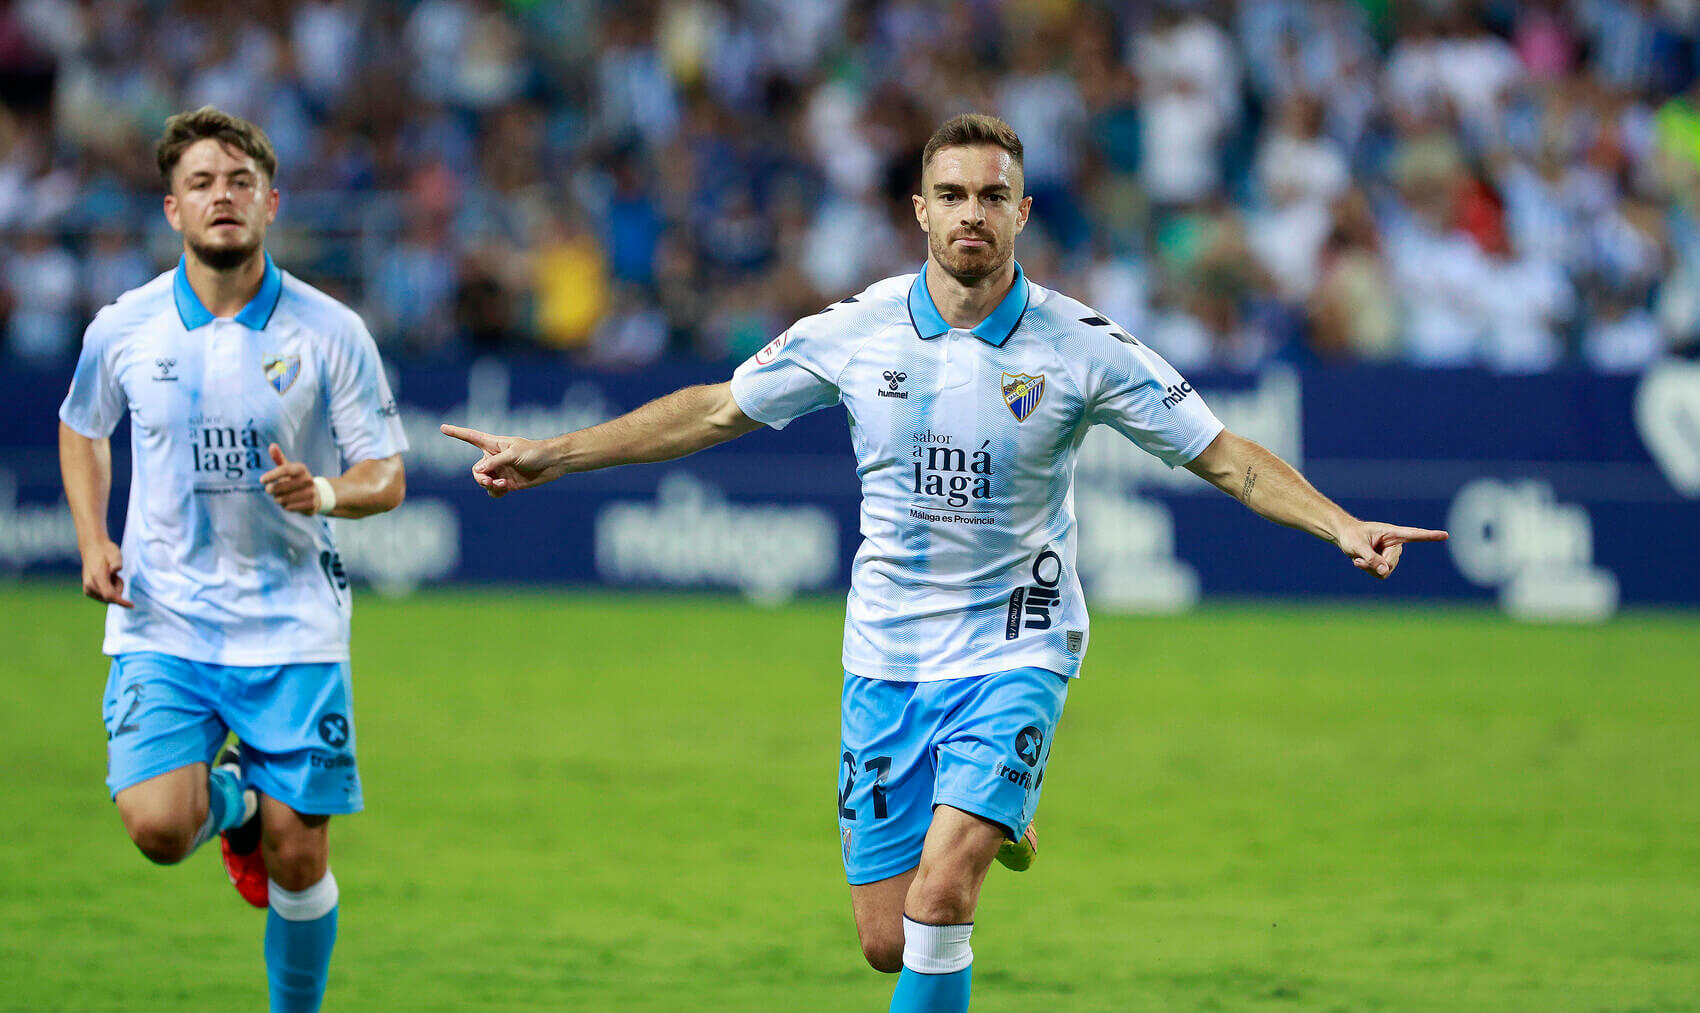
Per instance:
(281,370)
(1022,393)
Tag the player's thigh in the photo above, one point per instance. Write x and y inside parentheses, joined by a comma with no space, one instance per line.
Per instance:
(993,753)
(164,811)
(159,719)
(959,849)
(296,723)
(885,779)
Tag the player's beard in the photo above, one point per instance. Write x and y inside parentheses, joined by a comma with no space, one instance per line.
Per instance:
(969,264)
(224,258)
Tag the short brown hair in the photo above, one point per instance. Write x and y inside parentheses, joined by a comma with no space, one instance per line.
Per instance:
(970,129)
(184,129)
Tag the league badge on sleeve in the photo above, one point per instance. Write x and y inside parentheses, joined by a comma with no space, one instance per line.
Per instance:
(281,370)
(1022,393)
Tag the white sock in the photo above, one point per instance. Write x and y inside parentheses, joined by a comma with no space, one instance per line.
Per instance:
(314,902)
(936,949)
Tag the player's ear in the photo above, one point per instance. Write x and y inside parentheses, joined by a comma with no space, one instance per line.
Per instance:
(171,214)
(272,198)
(1022,210)
(920,203)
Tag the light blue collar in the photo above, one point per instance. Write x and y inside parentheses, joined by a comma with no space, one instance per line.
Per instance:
(994,330)
(254,316)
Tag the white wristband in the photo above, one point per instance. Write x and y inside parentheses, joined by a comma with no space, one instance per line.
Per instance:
(327,495)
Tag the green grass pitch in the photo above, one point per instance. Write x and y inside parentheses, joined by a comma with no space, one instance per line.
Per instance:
(626,802)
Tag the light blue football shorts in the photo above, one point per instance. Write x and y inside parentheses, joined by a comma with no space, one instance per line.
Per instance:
(978,744)
(296,724)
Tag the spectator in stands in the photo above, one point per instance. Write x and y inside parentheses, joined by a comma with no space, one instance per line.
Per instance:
(1354,309)
(727,151)
(43,279)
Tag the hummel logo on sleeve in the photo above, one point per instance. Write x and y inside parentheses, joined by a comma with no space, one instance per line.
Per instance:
(1126,339)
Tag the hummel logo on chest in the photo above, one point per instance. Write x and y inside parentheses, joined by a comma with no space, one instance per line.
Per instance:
(894,379)
(165,368)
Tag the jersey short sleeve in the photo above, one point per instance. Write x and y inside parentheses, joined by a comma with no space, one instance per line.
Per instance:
(95,402)
(363,411)
(1138,394)
(793,375)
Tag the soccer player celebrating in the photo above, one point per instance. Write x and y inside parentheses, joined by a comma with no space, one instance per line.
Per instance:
(228,606)
(969,390)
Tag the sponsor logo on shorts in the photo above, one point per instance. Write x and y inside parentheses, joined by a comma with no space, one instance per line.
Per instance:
(333,729)
(334,761)
(1028,742)
(1020,778)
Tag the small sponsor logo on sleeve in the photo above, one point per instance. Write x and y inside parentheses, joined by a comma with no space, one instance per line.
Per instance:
(770,351)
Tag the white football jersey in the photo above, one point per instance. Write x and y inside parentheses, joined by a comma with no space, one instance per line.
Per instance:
(219,572)
(965,443)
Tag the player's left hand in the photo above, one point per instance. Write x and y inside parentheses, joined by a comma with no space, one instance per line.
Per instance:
(290,484)
(1375,547)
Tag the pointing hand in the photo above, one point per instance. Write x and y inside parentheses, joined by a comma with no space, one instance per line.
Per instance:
(1375,547)
(509,462)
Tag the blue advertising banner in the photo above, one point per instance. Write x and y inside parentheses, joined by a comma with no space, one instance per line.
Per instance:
(1566,494)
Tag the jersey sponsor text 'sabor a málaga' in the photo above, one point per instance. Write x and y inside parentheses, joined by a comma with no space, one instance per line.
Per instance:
(219,572)
(965,443)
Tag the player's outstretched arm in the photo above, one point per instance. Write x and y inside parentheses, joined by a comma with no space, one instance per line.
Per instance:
(86,467)
(1250,473)
(683,422)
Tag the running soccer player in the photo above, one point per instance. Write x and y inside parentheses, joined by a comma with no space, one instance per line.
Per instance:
(969,390)
(247,391)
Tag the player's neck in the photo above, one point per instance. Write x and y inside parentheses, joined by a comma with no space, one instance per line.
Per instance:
(965,305)
(224,293)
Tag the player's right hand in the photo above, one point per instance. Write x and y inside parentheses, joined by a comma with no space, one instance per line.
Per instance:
(509,462)
(101,582)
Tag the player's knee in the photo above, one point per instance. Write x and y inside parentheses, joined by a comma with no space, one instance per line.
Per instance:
(883,953)
(163,840)
(940,900)
(296,862)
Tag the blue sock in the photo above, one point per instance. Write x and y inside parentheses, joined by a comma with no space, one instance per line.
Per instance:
(225,806)
(300,932)
(931,993)
(938,967)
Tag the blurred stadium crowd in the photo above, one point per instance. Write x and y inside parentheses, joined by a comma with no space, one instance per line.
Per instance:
(1510,185)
